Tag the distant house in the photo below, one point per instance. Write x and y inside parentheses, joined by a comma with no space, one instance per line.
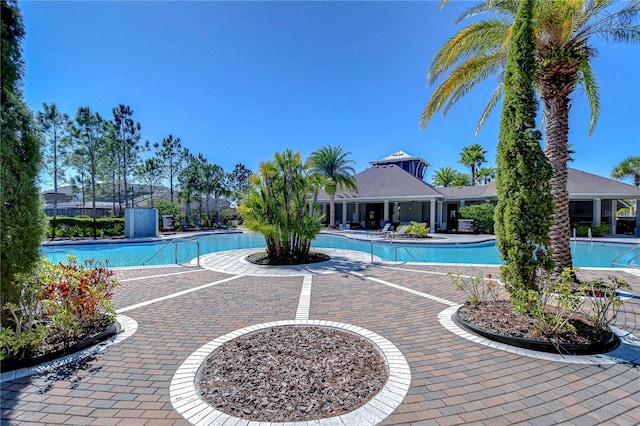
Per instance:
(108,201)
(392,190)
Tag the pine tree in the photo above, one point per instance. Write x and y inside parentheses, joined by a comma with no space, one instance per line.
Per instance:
(525,205)
(21,218)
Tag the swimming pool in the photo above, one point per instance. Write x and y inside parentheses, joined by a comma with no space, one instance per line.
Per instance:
(142,253)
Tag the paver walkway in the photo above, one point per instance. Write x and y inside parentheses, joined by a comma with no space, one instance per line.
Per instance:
(453,380)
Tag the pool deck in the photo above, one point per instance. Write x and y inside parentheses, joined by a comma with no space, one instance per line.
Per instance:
(454,377)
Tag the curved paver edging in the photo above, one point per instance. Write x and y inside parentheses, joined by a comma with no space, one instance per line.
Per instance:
(604,346)
(627,340)
(187,402)
(235,262)
(128,326)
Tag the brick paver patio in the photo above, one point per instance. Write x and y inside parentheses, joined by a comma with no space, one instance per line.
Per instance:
(453,380)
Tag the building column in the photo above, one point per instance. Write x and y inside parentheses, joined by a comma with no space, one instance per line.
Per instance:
(440,216)
(344,213)
(597,211)
(357,211)
(396,212)
(614,216)
(461,204)
(386,211)
(432,215)
(325,213)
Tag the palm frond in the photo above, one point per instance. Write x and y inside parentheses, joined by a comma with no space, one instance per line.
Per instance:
(481,38)
(494,101)
(591,88)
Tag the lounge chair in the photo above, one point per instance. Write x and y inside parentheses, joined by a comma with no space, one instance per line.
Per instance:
(400,232)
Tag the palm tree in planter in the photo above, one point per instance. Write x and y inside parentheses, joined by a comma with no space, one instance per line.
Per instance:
(281,205)
(628,168)
(332,162)
(562,30)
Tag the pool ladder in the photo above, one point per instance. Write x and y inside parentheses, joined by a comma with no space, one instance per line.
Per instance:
(175,251)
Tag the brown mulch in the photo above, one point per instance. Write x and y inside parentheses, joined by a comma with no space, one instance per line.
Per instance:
(263,259)
(498,317)
(292,373)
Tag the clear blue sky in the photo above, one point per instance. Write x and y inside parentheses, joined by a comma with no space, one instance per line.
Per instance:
(238,81)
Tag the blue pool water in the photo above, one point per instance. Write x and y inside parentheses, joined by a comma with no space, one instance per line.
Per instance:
(137,254)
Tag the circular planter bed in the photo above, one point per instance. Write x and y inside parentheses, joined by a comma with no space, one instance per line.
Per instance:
(292,374)
(15,364)
(607,342)
(262,259)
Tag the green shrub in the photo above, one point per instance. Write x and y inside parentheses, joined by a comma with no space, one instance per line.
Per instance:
(82,226)
(165,208)
(418,229)
(596,231)
(482,215)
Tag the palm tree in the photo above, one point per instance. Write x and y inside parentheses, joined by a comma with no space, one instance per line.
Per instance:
(563,30)
(461,179)
(332,162)
(628,168)
(444,176)
(486,174)
(472,156)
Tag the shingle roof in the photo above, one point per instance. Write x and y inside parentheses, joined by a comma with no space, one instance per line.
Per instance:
(391,182)
(583,183)
(384,182)
(579,184)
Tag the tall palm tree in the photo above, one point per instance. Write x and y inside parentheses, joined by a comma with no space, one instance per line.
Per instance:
(563,30)
(473,156)
(444,176)
(628,168)
(332,162)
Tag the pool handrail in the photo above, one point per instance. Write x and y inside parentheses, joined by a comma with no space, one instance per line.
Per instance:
(395,249)
(628,264)
(175,242)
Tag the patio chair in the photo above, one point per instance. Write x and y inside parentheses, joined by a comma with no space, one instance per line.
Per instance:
(401,232)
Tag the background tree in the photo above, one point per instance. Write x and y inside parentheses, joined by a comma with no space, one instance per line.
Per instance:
(461,179)
(189,182)
(332,162)
(149,173)
(80,181)
(55,128)
(127,138)
(213,181)
(21,217)
(89,133)
(525,207)
(628,168)
(486,175)
(473,156)
(562,31)
(171,157)
(238,182)
(281,206)
(444,176)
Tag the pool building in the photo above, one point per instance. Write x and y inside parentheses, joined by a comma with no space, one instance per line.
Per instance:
(393,190)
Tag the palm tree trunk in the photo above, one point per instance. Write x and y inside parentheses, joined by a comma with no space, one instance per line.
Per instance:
(556,111)
(332,211)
